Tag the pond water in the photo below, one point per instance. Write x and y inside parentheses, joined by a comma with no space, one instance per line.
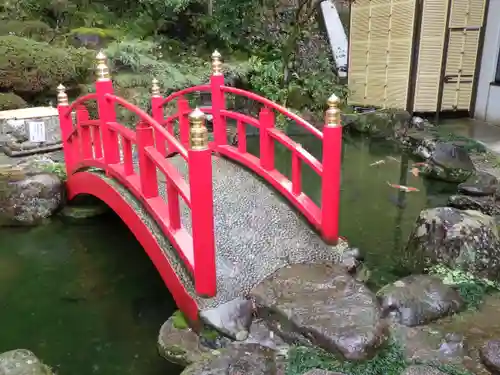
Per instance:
(86,299)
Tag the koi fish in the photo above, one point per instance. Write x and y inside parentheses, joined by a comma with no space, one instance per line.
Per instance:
(415,172)
(406,189)
(378,162)
(421,164)
(392,158)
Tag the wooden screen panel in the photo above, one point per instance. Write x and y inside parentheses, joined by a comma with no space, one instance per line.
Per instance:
(466,21)
(380,52)
(432,33)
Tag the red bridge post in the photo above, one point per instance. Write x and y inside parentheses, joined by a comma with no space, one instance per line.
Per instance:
(200,183)
(106,109)
(158,114)
(66,125)
(330,190)
(218,100)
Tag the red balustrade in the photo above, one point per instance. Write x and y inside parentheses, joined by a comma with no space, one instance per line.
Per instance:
(109,146)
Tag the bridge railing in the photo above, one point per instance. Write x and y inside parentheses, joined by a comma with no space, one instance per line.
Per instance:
(325,217)
(108,145)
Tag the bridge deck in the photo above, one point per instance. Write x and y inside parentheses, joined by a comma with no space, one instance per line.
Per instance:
(256,231)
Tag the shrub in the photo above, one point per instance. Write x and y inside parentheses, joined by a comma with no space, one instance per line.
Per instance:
(9,100)
(36,30)
(36,67)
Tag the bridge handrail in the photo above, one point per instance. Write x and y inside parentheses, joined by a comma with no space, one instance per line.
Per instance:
(79,101)
(270,104)
(189,90)
(150,121)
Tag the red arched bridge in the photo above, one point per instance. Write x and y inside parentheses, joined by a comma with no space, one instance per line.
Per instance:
(212,228)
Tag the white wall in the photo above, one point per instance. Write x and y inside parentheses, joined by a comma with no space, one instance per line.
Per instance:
(488,95)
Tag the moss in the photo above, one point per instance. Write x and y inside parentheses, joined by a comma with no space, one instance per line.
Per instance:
(11,101)
(179,320)
(209,334)
(59,169)
(103,34)
(36,30)
(35,67)
(390,360)
(471,289)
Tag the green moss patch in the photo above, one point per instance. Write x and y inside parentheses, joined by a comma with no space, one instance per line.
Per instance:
(11,101)
(179,320)
(471,289)
(390,360)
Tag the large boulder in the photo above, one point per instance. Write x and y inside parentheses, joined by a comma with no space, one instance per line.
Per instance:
(22,362)
(463,239)
(28,198)
(448,162)
(479,184)
(381,123)
(490,356)
(487,204)
(419,299)
(321,305)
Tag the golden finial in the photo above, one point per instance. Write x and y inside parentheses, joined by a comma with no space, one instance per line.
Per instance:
(102,69)
(216,63)
(198,139)
(155,88)
(62,97)
(332,117)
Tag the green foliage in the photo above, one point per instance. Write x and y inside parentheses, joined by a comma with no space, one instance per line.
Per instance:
(36,30)
(179,320)
(59,169)
(471,288)
(390,360)
(35,67)
(97,31)
(9,100)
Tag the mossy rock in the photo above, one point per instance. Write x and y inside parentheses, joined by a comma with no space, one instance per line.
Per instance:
(36,30)
(75,214)
(9,100)
(93,37)
(382,123)
(33,67)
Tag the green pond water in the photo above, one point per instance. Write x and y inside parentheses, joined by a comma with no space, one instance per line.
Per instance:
(86,299)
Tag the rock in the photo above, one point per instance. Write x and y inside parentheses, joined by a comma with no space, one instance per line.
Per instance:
(466,240)
(321,304)
(76,213)
(181,346)
(260,334)
(449,162)
(422,370)
(479,184)
(490,356)
(22,362)
(351,259)
(424,344)
(30,201)
(248,359)
(232,318)
(419,299)
(486,204)
(384,123)
(318,371)
(453,345)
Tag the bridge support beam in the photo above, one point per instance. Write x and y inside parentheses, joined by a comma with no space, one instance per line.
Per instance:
(332,162)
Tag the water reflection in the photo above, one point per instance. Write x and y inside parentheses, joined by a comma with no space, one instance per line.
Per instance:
(85,298)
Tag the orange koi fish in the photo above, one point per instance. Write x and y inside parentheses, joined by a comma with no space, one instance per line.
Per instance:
(406,189)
